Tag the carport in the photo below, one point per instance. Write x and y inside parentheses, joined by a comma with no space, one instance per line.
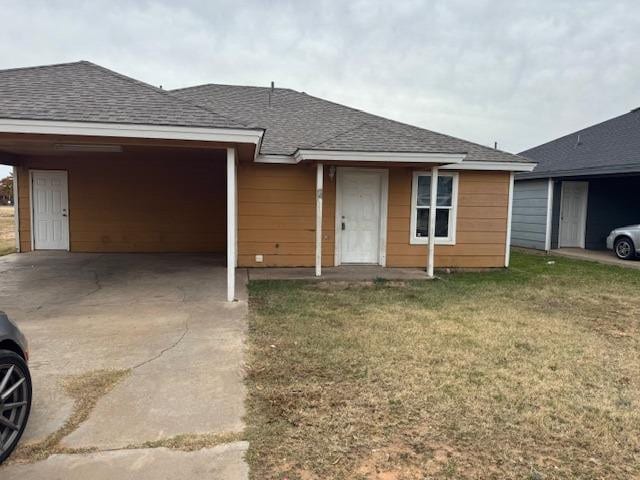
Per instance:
(124,195)
(610,203)
(105,164)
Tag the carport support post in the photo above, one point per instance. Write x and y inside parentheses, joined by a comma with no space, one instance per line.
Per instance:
(433,197)
(16,207)
(231,224)
(319,182)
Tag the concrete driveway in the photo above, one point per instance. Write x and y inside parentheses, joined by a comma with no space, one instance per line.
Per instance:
(159,320)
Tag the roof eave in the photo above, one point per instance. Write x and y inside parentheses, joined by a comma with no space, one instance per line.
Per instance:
(302,155)
(582,172)
(128,130)
(447,161)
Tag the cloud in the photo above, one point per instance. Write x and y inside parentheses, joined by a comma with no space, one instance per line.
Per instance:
(514,71)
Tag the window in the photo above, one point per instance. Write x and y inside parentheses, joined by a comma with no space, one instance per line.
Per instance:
(446,206)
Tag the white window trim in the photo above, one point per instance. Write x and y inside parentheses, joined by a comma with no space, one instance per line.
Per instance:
(453,217)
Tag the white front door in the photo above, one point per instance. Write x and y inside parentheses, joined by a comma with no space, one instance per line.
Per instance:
(50,210)
(573,214)
(360,215)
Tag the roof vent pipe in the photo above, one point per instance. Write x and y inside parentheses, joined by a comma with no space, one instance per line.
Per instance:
(578,142)
(271,91)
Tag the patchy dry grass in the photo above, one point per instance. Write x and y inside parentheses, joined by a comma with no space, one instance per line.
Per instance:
(526,374)
(85,390)
(192,441)
(7,231)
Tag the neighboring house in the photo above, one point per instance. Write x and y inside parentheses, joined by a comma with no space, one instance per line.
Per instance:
(585,185)
(272,177)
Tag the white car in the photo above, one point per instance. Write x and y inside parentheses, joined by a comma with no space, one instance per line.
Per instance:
(625,241)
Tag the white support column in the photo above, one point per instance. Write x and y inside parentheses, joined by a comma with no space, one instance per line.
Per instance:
(433,197)
(507,247)
(547,236)
(16,212)
(319,191)
(231,224)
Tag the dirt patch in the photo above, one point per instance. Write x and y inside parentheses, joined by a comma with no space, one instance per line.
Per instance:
(343,284)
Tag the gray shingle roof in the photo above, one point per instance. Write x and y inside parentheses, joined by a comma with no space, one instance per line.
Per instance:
(609,147)
(85,92)
(295,120)
(372,138)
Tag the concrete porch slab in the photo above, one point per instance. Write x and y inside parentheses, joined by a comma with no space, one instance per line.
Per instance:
(223,462)
(341,273)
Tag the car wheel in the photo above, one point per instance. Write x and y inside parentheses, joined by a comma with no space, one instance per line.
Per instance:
(624,248)
(15,400)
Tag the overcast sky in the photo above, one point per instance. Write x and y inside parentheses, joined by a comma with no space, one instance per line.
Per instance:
(516,72)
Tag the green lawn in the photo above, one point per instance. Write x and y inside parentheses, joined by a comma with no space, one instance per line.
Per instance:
(529,373)
(7,231)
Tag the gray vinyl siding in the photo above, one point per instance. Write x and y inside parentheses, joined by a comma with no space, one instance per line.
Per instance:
(529,220)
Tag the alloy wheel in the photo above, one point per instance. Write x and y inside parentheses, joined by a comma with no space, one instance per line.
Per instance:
(13,404)
(623,249)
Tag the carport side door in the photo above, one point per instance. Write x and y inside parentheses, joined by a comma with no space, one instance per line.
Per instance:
(573,214)
(50,207)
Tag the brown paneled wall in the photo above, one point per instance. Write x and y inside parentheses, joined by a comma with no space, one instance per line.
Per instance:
(483,198)
(137,201)
(276,219)
(277,215)
(169,202)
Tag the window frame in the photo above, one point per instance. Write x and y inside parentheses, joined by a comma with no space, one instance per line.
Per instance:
(453,210)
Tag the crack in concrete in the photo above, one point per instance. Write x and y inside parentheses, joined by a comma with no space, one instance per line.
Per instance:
(96,280)
(170,347)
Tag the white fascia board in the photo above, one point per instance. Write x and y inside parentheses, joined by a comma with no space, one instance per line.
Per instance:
(287,159)
(164,132)
(504,166)
(387,157)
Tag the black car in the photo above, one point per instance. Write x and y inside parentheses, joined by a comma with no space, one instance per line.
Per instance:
(15,386)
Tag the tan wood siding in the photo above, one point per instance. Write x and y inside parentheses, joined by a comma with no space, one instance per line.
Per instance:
(276,216)
(481,223)
(148,203)
(137,202)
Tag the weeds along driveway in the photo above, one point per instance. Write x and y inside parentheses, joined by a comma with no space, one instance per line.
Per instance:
(530,373)
(128,351)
